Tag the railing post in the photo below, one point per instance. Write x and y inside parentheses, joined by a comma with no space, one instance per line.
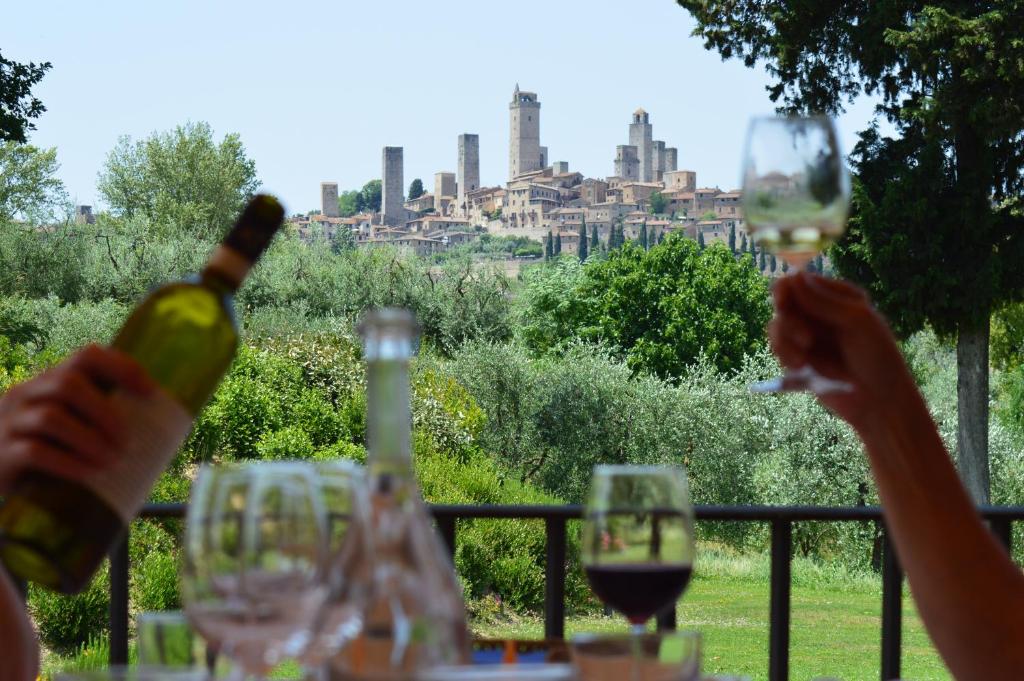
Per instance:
(119,602)
(667,618)
(554,584)
(446,527)
(892,611)
(1002,528)
(778,632)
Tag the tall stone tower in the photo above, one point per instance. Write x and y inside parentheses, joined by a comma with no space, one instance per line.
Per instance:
(640,136)
(393,212)
(671,159)
(524,150)
(468,171)
(657,160)
(329,199)
(626,164)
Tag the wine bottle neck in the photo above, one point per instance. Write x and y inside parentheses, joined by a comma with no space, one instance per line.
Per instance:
(388,419)
(226,269)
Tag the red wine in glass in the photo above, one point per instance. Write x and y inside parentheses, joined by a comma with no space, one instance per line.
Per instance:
(638,591)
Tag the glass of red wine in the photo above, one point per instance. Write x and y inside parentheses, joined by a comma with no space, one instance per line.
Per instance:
(638,543)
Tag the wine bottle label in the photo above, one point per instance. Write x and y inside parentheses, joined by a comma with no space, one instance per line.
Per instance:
(156,426)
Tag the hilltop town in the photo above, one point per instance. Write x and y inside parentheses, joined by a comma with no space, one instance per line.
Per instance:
(541,200)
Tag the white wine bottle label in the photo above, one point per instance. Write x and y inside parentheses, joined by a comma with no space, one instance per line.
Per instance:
(156,426)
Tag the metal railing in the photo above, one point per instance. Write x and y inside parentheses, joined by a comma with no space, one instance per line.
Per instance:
(556,518)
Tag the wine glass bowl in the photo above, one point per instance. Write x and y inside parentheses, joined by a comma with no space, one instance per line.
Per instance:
(796,191)
(255,559)
(796,198)
(637,544)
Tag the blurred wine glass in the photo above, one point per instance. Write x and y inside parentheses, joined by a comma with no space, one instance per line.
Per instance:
(796,197)
(638,545)
(346,514)
(254,578)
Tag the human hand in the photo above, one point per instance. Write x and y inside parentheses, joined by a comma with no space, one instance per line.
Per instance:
(830,325)
(63,421)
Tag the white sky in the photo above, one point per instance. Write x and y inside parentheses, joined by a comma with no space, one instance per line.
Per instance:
(316,88)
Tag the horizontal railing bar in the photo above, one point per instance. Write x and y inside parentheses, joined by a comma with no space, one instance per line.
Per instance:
(723,513)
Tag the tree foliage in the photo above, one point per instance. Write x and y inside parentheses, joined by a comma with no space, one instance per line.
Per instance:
(657,202)
(180,180)
(17,104)
(583,241)
(29,186)
(349,203)
(371,196)
(937,232)
(660,309)
(416,189)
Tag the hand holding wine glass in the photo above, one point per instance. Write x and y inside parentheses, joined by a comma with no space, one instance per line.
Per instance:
(796,196)
(638,543)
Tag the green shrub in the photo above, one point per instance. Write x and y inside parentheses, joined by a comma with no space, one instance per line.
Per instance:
(313,413)
(65,622)
(290,442)
(341,450)
(154,582)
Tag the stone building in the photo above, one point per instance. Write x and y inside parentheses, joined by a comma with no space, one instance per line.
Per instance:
(444,187)
(525,152)
(392,210)
(424,202)
(657,160)
(84,216)
(329,199)
(627,165)
(640,132)
(685,180)
(671,159)
(468,170)
(593,191)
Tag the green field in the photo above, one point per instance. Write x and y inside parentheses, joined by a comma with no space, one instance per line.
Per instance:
(836,624)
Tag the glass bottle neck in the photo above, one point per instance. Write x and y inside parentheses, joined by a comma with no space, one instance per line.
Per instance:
(388,419)
(226,270)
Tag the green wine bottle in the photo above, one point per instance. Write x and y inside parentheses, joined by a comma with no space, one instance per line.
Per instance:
(56,531)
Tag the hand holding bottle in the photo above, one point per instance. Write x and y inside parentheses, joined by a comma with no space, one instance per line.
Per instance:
(63,421)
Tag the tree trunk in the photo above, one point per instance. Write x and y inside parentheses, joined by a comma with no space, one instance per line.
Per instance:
(972,411)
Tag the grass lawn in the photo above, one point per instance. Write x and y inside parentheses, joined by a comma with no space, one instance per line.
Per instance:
(836,623)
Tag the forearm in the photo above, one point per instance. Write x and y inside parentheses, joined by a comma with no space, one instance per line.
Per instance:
(18,641)
(969,593)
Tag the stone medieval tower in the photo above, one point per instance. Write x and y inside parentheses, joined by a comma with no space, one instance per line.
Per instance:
(640,136)
(391,201)
(524,150)
(329,199)
(468,170)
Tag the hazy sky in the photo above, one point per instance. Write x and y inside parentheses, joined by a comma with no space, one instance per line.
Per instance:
(317,88)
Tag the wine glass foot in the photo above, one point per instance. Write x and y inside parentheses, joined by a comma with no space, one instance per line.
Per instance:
(804,379)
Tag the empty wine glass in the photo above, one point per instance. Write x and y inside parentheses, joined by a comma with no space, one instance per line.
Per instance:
(346,509)
(638,543)
(796,196)
(255,560)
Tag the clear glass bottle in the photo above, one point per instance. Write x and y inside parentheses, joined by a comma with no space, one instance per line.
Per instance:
(416,617)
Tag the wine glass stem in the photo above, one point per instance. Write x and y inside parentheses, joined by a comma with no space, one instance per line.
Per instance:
(637,631)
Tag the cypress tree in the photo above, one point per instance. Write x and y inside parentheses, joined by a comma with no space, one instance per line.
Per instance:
(583,241)
(753,249)
(558,244)
(643,236)
(700,240)
(762,264)
(595,242)
(549,247)
(732,239)
(785,266)
(772,264)
(743,244)
(661,238)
